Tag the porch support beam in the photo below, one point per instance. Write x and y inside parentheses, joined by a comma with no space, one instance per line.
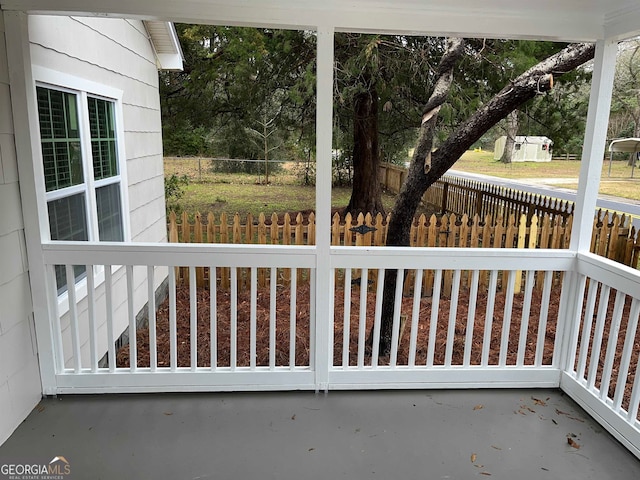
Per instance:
(25,118)
(594,143)
(324,120)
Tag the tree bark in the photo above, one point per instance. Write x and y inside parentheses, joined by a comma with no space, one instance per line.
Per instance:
(412,190)
(366,193)
(512,131)
(423,173)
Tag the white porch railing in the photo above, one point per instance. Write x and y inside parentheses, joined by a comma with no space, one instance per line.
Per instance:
(466,318)
(601,371)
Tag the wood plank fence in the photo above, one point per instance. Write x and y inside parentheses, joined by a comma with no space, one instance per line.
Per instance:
(460,196)
(613,237)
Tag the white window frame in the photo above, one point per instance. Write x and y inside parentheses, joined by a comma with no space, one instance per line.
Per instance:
(83,89)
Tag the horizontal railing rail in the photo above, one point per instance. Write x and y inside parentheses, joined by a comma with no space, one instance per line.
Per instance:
(170,254)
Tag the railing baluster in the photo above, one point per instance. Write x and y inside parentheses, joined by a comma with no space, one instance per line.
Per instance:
(594,360)
(364,275)
(453,314)
(575,322)
(153,344)
(173,336)
(530,278)
(377,319)
(292,319)
(433,324)
(73,317)
(312,317)
(93,329)
(587,323)
(133,355)
(612,343)
(193,326)
(57,328)
(233,306)
(346,322)
(506,321)
(111,342)
(630,338)
(634,401)
(213,318)
(415,315)
(488,319)
(395,333)
(253,318)
(544,315)
(272,318)
(471,315)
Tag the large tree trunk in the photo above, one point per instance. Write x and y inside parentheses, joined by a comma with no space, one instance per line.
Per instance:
(412,190)
(366,192)
(512,131)
(423,173)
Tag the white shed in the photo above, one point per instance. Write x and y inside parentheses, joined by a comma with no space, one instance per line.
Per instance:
(526,149)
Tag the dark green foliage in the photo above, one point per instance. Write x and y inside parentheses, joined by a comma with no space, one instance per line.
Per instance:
(174,189)
(233,79)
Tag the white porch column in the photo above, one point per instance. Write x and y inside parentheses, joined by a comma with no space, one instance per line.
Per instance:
(324,281)
(594,144)
(25,118)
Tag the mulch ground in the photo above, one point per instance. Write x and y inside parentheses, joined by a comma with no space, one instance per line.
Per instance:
(302,332)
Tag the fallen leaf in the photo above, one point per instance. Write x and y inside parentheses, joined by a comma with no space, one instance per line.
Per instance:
(293,417)
(545,469)
(560,412)
(531,409)
(537,401)
(485,473)
(478,407)
(41,408)
(497,448)
(571,442)
(473,458)
(554,421)
(311,449)
(168,413)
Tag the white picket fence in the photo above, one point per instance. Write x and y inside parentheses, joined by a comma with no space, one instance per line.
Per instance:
(474,318)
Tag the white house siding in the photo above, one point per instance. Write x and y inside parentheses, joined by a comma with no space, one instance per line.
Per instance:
(118,54)
(20,387)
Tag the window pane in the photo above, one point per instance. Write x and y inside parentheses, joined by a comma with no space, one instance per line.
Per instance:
(68,221)
(103,141)
(60,139)
(109,213)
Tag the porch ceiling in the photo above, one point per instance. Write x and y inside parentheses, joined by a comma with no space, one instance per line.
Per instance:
(585,20)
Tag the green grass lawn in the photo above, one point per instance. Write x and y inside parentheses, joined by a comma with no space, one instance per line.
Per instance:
(619,183)
(242,193)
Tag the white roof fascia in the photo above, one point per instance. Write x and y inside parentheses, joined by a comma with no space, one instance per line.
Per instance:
(164,39)
(557,20)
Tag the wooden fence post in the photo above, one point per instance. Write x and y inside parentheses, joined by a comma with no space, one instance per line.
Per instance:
(445,194)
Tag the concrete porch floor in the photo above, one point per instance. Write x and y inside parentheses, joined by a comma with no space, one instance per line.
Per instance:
(463,434)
